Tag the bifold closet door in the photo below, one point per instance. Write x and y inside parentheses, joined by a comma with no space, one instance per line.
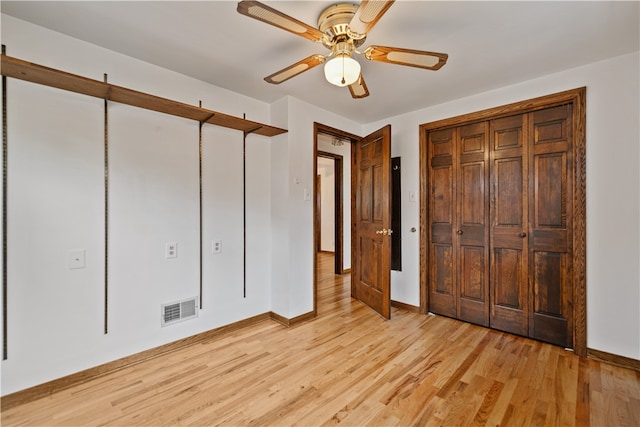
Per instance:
(443,291)
(551,225)
(458,179)
(509,228)
(472,223)
(501,223)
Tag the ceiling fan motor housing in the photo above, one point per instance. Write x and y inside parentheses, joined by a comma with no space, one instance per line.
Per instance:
(334,23)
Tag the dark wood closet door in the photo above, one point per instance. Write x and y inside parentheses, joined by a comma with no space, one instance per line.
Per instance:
(551,224)
(509,229)
(501,221)
(528,219)
(443,291)
(472,223)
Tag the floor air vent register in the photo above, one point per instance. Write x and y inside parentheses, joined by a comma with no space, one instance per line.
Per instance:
(179,311)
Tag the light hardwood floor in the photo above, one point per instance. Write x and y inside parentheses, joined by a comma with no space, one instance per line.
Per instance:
(350,367)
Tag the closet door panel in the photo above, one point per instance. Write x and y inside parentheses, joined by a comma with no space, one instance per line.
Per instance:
(508,298)
(508,200)
(442,192)
(550,321)
(509,229)
(473,285)
(472,223)
(551,218)
(442,275)
(442,291)
(550,190)
(509,285)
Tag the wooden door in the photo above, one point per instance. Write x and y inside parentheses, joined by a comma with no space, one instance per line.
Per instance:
(501,231)
(534,163)
(551,225)
(443,291)
(472,223)
(371,271)
(459,212)
(509,249)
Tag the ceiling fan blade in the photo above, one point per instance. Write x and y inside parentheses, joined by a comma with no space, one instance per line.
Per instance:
(410,57)
(295,69)
(359,88)
(367,15)
(264,13)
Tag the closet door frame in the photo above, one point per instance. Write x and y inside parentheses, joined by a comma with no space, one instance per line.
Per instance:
(576,97)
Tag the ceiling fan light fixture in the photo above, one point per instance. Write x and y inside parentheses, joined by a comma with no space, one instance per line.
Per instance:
(342,70)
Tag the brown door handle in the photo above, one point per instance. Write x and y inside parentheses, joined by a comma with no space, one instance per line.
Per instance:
(460,232)
(523,234)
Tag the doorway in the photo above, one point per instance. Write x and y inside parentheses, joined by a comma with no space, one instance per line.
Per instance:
(367,181)
(329,207)
(333,145)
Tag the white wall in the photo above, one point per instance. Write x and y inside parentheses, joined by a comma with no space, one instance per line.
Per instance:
(56,204)
(324,144)
(280,230)
(613,191)
(326,171)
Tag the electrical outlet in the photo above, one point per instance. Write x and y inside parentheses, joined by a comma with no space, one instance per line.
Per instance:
(216,246)
(171,250)
(76,259)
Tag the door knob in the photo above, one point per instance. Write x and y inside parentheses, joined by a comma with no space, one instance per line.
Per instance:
(384,232)
(459,231)
(523,234)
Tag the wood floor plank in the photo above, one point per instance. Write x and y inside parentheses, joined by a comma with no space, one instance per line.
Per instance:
(350,367)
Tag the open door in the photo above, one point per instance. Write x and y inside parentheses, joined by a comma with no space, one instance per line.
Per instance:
(371,233)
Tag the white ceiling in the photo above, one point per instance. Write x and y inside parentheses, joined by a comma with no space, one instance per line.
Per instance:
(490,45)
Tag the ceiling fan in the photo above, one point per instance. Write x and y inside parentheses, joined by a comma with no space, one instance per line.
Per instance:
(342,28)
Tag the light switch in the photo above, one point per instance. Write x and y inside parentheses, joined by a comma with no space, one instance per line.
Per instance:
(412,196)
(76,259)
(307,194)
